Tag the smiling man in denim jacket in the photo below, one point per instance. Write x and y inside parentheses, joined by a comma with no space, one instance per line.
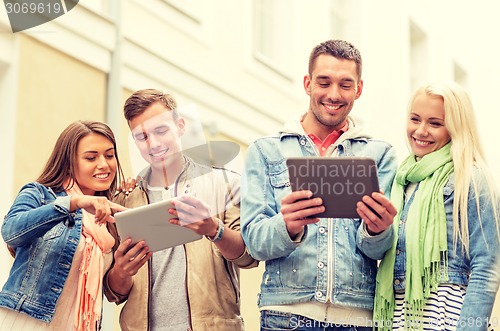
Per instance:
(320,273)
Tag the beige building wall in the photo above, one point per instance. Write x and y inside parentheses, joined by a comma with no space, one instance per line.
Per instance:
(203,57)
(75,91)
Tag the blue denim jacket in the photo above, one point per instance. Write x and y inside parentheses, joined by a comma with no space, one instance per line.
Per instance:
(480,271)
(299,271)
(45,236)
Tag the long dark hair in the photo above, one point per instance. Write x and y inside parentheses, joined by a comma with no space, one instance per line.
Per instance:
(61,164)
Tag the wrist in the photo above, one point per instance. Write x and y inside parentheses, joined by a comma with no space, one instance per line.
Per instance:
(73,205)
(218,234)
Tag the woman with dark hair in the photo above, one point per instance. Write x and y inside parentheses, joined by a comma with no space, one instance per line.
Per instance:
(55,230)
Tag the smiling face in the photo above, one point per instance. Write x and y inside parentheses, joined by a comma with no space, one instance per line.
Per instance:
(157,135)
(426,129)
(333,86)
(95,166)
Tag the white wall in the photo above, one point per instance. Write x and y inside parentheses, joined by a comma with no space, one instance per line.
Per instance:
(204,55)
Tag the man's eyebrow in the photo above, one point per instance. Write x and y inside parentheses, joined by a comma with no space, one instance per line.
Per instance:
(144,131)
(325,77)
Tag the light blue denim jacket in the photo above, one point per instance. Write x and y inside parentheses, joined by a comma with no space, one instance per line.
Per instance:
(480,271)
(45,236)
(298,271)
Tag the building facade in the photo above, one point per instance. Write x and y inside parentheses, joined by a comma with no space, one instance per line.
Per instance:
(240,63)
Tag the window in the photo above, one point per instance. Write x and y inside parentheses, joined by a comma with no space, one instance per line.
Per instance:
(339,18)
(273,31)
(419,62)
(460,75)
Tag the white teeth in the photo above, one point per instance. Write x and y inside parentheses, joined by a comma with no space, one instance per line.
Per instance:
(422,143)
(330,107)
(102,176)
(159,153)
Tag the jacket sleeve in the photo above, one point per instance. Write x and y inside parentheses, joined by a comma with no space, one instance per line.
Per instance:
(262,225)
(375,246)
(484,250)
(30,218)
(136,198)
(232,218)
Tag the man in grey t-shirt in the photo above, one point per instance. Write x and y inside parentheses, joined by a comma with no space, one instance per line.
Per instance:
(193,286)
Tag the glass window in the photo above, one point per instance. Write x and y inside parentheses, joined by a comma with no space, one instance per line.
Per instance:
(273,31)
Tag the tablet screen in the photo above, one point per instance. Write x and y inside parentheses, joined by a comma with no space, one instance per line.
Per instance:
(340,181)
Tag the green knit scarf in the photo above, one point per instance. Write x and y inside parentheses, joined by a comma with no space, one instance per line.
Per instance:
(426,241)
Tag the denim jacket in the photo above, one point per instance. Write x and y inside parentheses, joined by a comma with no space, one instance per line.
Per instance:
(335,260)
(44,236)
(480,271)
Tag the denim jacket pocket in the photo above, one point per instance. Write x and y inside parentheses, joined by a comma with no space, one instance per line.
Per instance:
(55,232)
(278,175)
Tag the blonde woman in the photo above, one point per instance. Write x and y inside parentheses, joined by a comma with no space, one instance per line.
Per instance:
(443,270)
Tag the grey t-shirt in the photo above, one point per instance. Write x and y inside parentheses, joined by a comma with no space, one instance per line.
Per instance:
(169,302)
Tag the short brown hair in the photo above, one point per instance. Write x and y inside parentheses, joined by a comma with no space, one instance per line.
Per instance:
(337,48)
(140,100)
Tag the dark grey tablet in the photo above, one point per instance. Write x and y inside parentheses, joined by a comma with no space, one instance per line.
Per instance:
(340,181)
(151,224)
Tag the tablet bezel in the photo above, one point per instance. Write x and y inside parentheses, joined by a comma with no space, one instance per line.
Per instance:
(346,178)
(151,224)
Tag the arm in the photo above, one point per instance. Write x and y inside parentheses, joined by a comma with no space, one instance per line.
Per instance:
(386,169)
(233,247)
(376,234)
(272,219)
(29,218)
(484,250)
(193,213)
(378,228)
(128,259)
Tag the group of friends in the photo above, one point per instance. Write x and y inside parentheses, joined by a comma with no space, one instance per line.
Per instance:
(423,254)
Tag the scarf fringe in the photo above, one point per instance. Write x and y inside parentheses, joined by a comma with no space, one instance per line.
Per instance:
(384,310)
(91,314)
(413,311)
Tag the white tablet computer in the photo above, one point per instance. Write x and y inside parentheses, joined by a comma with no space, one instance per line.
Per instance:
(340,181)
(151,224)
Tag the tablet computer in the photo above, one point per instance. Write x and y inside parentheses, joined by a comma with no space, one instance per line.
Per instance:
(151,224)
(340,181)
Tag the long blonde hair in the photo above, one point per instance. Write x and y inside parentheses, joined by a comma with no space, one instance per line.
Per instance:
(467,154)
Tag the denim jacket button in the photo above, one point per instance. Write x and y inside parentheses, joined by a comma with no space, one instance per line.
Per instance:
(322,230)
(319,294)
(303,141)
(321,265)
(397,282)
